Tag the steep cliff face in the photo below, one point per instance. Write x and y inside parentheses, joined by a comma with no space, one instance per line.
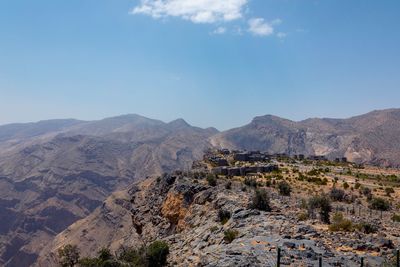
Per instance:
(370,138)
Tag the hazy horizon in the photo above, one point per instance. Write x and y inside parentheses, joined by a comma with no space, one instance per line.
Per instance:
(209,126)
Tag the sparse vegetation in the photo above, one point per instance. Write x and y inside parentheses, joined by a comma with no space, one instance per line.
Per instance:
(284,188)
(68,255)
(250,182)
(396,217)
(337,194)
(389,191)
(346,185)
(212,180)
(311,179)
(357,185)
(366,228)
(303,216)
(323,203)
(339,223)
(154,255)
(230,235)
(260,200)
(228,185)
(378,203)
(366,191)
(214,229)
(223,216)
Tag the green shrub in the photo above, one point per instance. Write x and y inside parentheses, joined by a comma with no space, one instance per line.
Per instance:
(389,191)
(260,200)
(104,254)
(230,235)
(302,216)
(212,180)
(135,257)
(68,255)
(104,259)
(396,217)
(378,203)
(284,188)
(89,262)
(156,254)
(223,216)
(228,185)
(323,203)
(214,229)
(250,182)
(337,194)
(366,228)
(339,223)
(366,191)
(345,185)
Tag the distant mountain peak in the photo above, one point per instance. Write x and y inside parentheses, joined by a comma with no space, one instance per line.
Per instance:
(179,123)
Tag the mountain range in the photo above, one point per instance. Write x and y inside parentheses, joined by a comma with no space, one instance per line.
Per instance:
(54,173)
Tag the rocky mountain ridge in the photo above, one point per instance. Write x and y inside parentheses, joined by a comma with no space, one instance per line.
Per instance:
(372,138)
(52,176)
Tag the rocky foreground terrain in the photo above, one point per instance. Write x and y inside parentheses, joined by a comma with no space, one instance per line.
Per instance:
(184,210)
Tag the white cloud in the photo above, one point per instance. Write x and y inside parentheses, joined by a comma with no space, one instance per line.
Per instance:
(258,26)
(219,30)
(197,11)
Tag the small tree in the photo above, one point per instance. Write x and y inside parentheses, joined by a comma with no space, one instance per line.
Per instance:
(223,216)
(250,182)
(379,203)
(212,181)
(366,191)
(339,223)
(260,200)
(136,257)
(323,203)
(157,253)
(396,217)
(337,194)
(104,254)
(230,235)
(228,185)
(68,255)
(389,191)
(284,188)
(345,185)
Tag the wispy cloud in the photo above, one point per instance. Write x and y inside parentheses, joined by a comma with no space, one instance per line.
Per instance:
(219,30)
(259,27)
(281,35)
(197,11)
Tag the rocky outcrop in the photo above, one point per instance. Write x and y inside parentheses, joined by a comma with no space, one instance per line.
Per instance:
(184,212)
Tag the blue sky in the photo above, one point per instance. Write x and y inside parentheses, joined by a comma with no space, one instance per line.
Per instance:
(213,63)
